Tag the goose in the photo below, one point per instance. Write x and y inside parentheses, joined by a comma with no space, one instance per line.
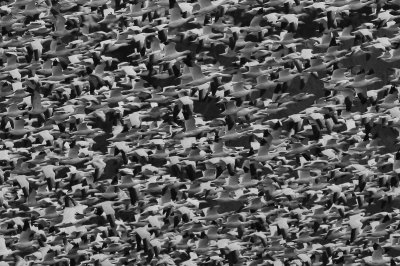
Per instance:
(37,107)
(212,214)
(286,76)
(232,133)
(136,10)
(338,77)
(4,251)
(226,197)
(60,30)
(50,258)
(239,90)
(346,34)
(235,221)
(247,181)
(317,65)
(205,36)
(377,257)
(45,68)
(12,62)
(6,89)
(19,128)
(73,157)
(83,130)
(24,243)
(8,20)
(255,204)
(255,25)
(229,53)
(254,70)
(170,53)
(57,73)
(116,96)
(206,6)
(95,3)
(191,129)
(264,153)
(232,184)
(362,80)
(13,111)
(393,243)
(176,20)
(58,49)
(218,148)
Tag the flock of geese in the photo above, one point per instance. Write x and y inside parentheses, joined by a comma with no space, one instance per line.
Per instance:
(228,132)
